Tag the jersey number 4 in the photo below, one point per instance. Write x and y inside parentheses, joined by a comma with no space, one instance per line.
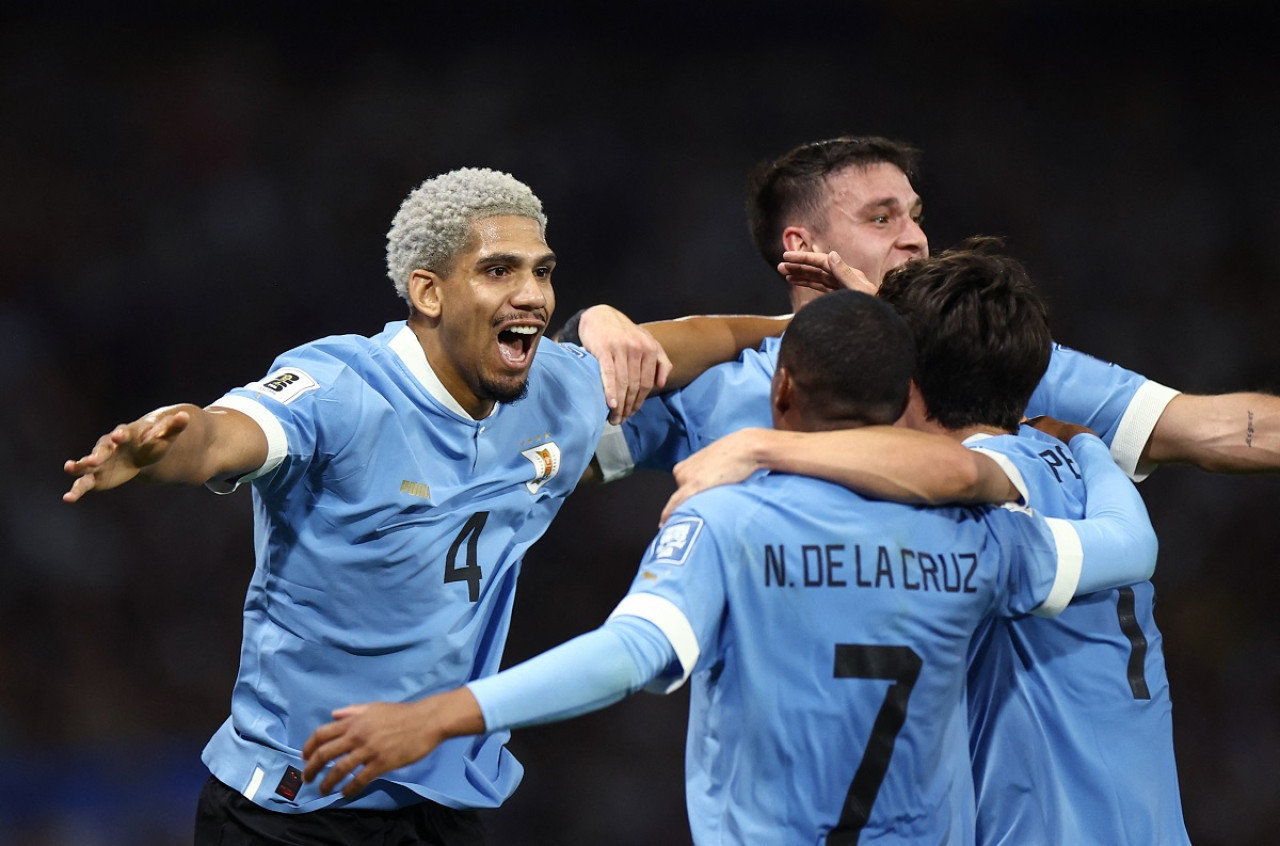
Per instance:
(470,571)
(900,665)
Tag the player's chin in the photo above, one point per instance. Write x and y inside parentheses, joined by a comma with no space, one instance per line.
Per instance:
(505,387)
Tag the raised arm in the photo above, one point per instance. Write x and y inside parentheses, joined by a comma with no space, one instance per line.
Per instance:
(585,674)
(886,462)
(180,444)
(1225,433)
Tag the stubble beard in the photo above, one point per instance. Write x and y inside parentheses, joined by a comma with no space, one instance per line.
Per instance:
(509,390)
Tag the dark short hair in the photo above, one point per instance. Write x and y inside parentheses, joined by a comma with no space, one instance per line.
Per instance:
(792,187)
(981,330)
(852,356)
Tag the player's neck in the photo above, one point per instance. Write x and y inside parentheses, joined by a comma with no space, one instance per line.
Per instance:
(967,432)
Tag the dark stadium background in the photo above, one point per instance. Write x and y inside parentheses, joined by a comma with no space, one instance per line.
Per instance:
(184,194)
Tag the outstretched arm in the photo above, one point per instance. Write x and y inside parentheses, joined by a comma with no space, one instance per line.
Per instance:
(182,444)
(886,462)
(585,674)
(1226,433)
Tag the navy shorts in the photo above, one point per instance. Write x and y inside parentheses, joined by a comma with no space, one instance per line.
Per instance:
(225,818)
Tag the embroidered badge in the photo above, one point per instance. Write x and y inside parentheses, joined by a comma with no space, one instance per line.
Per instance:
(545,459)
(677,538)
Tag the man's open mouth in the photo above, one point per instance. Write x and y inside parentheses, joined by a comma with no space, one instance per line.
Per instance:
(516,344)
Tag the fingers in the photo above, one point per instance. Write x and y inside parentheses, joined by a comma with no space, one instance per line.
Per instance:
(823,272)
(87,466)
(664,369)
(851,277)
(673,503)
(630,375)
(323,746)
(804,258)
(79,487)
(332,743)
(340,771)
(609,381)
(644,366)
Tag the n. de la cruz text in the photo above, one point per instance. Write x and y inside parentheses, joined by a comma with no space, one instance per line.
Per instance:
(836,565)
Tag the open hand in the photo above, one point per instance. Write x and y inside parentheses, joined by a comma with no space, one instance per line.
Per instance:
(632,362)
(824,272)
(723,462)
(123,452)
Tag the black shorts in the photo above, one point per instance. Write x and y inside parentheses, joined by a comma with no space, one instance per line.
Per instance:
(225,818)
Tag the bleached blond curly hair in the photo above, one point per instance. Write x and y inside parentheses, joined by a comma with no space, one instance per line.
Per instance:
(434,221)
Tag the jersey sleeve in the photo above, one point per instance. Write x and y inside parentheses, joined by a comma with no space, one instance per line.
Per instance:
(286,404)
(1117,540)
(654,437)
(672,426)
(585,674)
(680,586)
(1054,559)
(1118,404)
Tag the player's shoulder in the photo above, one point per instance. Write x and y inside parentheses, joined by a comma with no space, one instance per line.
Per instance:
(565,360)
(731,383)
(342,348)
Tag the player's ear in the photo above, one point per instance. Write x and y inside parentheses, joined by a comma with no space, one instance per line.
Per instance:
(781,395)
(424,292)
(798,238)
(916,412)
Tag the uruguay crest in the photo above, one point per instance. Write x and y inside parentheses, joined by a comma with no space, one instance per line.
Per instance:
(545,459)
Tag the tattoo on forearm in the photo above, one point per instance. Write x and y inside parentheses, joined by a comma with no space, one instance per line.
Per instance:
(1248,438)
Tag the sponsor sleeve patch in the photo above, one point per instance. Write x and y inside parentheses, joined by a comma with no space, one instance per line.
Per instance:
(286,385)
(676,540)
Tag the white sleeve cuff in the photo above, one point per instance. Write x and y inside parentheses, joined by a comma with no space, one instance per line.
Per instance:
(1015,475)
(277,442)
(674,626)
(613,455)
(1070,561)
(1135,428)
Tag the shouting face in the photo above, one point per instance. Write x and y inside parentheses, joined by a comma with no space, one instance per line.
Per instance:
(486,312)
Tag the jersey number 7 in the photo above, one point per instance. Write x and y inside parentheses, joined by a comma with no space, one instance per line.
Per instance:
(901,665)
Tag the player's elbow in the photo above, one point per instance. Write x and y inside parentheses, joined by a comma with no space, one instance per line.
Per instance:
(958,479)
(1144,547)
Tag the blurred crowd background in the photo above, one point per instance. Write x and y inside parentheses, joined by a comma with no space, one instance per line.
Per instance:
(186,193)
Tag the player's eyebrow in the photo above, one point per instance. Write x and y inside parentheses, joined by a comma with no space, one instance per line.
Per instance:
(515,259)
(891,204)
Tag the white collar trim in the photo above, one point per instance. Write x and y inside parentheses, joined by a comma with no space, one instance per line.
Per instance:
(405,344)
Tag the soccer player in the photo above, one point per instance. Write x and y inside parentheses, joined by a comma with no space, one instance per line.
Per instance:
(840,214)
(397,482)
(825,633)
(1070,718)
(1071,725)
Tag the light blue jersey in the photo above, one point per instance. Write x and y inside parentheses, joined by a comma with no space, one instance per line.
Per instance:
(826,637)
(389,528)
(1121,406)
(1070,718)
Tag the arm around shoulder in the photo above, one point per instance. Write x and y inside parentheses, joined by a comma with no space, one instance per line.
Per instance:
(698,342)
(1118,544)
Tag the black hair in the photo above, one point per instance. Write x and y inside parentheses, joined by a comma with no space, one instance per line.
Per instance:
(792,187)
(851,357)
(981,330)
